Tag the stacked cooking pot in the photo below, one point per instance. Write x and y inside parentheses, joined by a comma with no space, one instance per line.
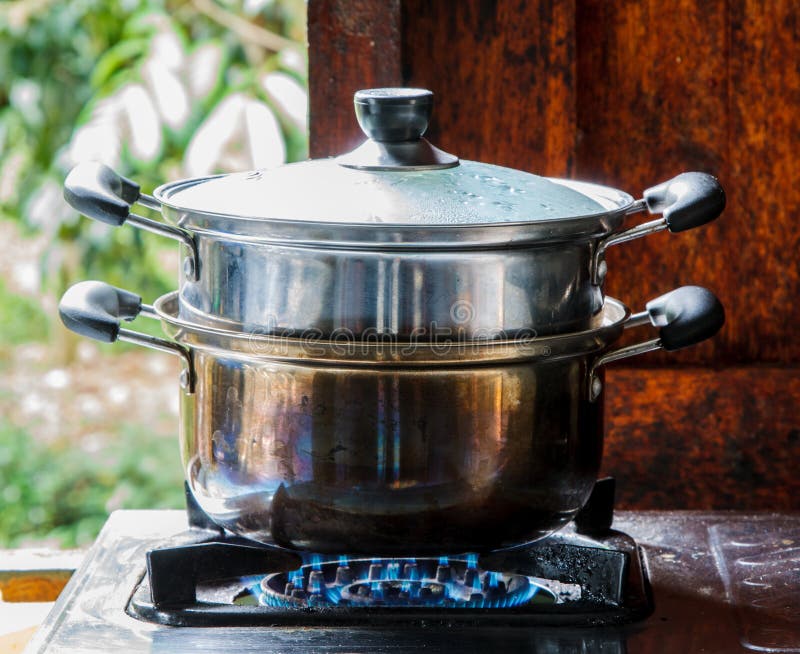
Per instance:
(392,350)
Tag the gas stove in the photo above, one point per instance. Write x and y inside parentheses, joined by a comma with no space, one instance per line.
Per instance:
(168,581)
(589,574)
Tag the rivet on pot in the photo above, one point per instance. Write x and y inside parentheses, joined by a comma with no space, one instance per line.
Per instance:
(602,269)
(188,268)
(185,379)
(596,389)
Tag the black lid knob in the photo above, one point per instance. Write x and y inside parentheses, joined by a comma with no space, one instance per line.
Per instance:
(393,114)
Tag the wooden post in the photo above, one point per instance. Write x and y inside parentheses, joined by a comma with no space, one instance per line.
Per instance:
(354,44)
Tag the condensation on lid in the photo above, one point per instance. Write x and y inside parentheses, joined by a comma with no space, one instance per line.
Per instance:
(323,191)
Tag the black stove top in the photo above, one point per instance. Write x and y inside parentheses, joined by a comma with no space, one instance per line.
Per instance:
(588,574)
(569,578)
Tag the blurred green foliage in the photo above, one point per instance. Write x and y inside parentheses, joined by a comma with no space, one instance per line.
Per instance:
(65,66)
(64,60)
(26,321)
(57,491)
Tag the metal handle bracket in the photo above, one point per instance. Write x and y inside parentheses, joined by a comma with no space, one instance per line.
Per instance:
(104,195)
(599,257)
(96,309)
(684,202)
(685,316)
(191,266)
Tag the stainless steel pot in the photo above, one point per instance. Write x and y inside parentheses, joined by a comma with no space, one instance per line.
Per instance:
(378,447)
(395,237)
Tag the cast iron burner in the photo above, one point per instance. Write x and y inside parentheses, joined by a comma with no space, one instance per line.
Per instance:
(587,574)
(446,583)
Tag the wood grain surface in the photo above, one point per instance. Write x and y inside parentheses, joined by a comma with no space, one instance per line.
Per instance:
(630,93)
(354,44)
(710,90)
(504,78)
(704,438)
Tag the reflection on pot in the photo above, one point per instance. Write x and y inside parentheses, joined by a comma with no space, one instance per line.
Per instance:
(478,457)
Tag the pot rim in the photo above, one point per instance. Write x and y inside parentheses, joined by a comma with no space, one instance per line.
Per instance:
(389,351)
(400,236)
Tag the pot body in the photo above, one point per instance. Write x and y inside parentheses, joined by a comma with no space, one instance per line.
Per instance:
(477,282)
(378,459)
(389,446)
(291,290)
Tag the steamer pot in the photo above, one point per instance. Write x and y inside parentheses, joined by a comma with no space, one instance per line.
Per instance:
(396,237)
(378,447)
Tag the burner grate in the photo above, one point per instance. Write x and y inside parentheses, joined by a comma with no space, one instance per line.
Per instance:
(568,579)
(587,574)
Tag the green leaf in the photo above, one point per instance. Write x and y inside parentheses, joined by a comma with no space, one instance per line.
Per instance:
(122,55)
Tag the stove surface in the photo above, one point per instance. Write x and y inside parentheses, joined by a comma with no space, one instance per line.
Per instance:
(722,583)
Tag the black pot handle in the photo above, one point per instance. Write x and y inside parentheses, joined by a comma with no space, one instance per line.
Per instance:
(686,316)
(95,310)
(99,192)
(687,201)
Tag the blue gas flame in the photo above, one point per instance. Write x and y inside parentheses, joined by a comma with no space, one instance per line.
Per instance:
(476,583)
(474,590)
(296,578)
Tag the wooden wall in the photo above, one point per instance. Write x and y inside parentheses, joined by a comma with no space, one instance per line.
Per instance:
(629,93)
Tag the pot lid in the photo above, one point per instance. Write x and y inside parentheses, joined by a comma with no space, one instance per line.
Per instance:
(395,178)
